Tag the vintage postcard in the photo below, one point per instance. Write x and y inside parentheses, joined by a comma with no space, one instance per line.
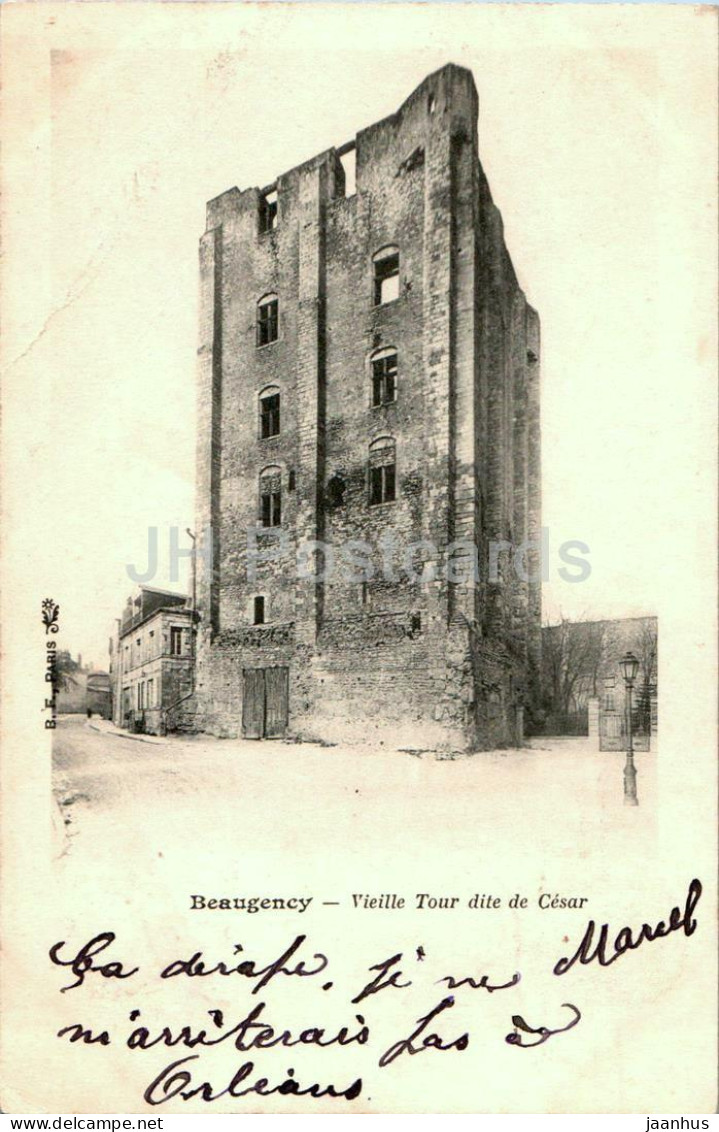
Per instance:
(359,559)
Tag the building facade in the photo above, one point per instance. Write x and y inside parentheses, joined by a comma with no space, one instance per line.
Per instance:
(152,660)
(583,685)
(86,690)
(368,442)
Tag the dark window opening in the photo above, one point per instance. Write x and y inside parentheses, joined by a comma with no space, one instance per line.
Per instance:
(270,499)
(271,509)
(336,491)
(382,484)
(259,611)
(384,379)
(175,641)
(386,276)
(267,320)
(268,211)
(269,415)
(382,471)
(292,480)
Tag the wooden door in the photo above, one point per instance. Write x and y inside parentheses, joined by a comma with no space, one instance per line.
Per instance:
(253,703)
(276,701)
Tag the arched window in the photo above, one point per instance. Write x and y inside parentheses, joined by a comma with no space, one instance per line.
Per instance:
(382,470)
(269,412)
(386,275)
(267,319)
(270,510)
(383,364)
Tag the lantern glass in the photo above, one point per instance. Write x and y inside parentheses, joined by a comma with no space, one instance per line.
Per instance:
(630,667)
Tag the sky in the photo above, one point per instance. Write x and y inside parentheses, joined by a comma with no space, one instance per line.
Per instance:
(130,117)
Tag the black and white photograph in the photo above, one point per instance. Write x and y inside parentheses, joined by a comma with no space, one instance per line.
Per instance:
(359,602)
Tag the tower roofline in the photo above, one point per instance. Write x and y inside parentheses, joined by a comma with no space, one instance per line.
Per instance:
(448,70)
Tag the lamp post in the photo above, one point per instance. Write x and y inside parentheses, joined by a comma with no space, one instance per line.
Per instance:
(630,667)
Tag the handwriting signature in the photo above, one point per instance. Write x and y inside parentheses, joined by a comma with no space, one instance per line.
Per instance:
(588,951)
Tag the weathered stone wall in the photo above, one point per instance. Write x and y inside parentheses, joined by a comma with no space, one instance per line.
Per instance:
(391,654)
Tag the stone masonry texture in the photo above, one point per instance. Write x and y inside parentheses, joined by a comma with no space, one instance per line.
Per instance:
(405,656)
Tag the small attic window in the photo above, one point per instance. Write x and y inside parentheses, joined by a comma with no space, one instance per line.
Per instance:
(431,104)
(268,211)
(349,164)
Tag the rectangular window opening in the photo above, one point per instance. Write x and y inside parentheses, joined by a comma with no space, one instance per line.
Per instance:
(268,211)
(384,380)
(267,322)
(386,279)
(382,484)
(270,416)
(259,611)
(349,165)
(271,508)
(175,641)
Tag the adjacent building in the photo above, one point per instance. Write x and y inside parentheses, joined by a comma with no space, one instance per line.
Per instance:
(368,442)
(583,685)
(99,693)
(85,690)
(152,662)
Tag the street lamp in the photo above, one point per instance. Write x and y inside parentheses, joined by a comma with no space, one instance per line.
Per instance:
(630,667)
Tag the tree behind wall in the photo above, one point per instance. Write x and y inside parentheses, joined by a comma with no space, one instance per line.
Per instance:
(572,655)
(66,668)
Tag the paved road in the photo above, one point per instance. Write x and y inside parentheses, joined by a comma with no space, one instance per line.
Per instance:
(222,795)
(102,776)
